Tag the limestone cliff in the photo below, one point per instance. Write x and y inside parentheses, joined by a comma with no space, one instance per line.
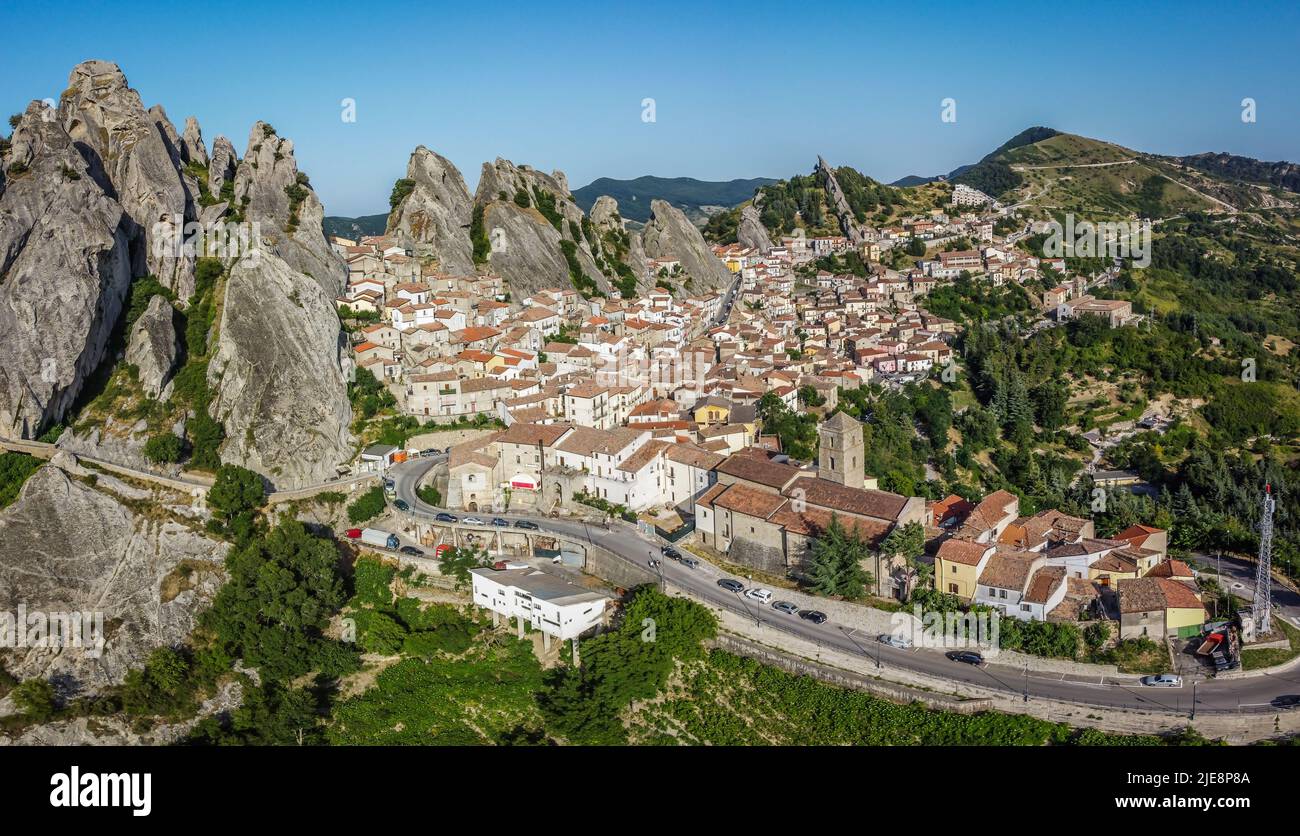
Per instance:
(65,266)
(66,546)
(280,375)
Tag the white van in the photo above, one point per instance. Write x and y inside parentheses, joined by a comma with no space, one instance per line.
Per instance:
(759,594)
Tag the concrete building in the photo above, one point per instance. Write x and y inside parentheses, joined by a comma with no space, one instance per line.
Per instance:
(555,607)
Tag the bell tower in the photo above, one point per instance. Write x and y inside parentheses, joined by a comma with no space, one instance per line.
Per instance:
(841,452)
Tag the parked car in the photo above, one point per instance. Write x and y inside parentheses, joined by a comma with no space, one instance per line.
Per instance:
(670,553)
(500,523)
(473,521)
(690,562)
(411,550)
(445,517)
(528,524)
(970,657)
(815,616)
(353,534)
(1286,701)
(759,594)
(890,639)
(401,505)
(1163,680)
(787,607)
(731,585)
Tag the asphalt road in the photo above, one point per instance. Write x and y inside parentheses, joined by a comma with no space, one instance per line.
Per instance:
(1218,696)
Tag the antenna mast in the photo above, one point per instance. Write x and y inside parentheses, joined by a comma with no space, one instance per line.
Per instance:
(1263,609)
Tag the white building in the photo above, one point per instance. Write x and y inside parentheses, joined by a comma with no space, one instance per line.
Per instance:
(553,606)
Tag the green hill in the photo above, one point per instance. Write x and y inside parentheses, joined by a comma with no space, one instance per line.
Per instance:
(355,227)
(686,193)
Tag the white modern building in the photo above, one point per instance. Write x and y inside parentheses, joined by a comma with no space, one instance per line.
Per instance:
(555,607)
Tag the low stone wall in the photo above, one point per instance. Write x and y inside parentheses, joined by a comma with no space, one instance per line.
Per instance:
(616,570)
(1014,658)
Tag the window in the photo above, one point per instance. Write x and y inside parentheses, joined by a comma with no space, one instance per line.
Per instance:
(1002,593)
(952,587)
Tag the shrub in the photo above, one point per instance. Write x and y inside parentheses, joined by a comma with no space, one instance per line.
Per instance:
(368,506)
(163,448)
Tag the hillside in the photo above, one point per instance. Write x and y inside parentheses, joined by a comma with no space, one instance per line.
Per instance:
(697,198)
(355,227)
(809,202)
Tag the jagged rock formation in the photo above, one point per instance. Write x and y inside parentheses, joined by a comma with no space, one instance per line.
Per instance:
(669,234)
(280,375)
(528,242)
(528,252)
(433,220)
(192,148)
(615,245)
(270,191)
(65,267)
(131,155)
(153,348)
(839,203)
(221,167)
(502,179)
(68,547)
(750,232)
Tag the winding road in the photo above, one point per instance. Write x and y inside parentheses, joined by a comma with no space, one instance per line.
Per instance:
(1249,694)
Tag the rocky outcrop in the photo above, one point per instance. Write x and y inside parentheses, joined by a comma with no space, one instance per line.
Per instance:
(221,168)
(839,203)
(502,179)
(153,347)
(65,268)
(527,241)
(133,159)
(669,234)
(280,375)
(433,219)
(68,547)
(615,244)
(271,192)
(192,148)
(750,232)
(528,253)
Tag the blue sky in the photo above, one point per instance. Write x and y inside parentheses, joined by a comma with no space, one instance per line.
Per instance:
(741,89)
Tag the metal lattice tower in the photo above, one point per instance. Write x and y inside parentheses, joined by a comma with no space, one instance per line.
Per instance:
(1262,612)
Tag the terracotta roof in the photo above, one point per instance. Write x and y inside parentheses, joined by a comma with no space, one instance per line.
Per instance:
(758,469)
(880,505)
(643,456)
(1146,594)
(962,551)
(742,499)
(1008,570)
(1044,583)
(534,434)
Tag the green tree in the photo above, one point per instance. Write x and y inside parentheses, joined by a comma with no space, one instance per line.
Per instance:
(36,699)
(236,491)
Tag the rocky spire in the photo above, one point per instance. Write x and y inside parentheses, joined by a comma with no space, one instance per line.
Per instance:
(270,190)
(433,219)
(192,148)
(130,153)
(750,232)
(669,234)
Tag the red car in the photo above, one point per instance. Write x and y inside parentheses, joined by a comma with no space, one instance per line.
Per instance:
(353,534)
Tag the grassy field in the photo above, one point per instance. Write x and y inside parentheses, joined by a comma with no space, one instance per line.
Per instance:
(1269,656)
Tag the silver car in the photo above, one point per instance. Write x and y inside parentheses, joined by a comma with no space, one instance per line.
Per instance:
(786,607)
(1164,680)
(890,639)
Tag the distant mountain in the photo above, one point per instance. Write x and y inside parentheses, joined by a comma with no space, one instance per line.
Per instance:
(697,198)
(354,228)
